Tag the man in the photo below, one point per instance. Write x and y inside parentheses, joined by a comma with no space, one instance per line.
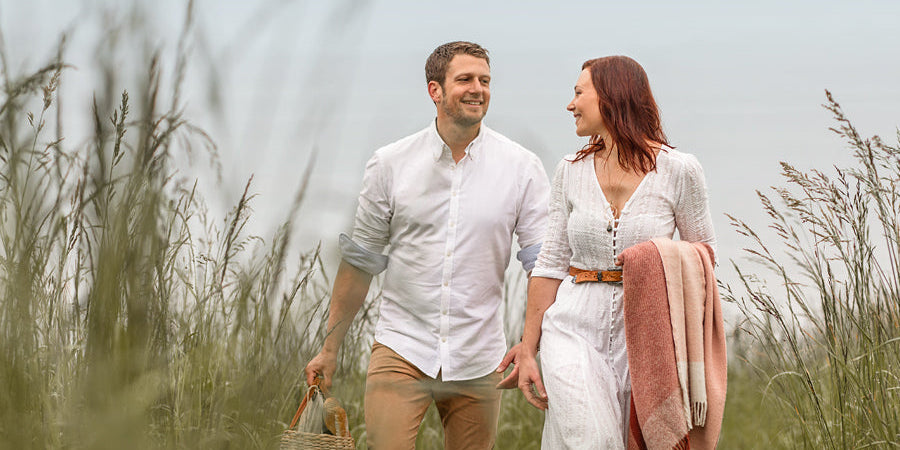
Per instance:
(448,200)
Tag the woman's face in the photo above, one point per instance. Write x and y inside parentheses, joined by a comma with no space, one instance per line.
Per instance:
(586,107)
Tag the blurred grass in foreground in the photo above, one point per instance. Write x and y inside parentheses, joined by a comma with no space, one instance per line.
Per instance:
(130,318)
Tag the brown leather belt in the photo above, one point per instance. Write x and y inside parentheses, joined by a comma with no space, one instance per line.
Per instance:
(604,276)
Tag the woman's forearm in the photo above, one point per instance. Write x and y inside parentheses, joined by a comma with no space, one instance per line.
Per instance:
(541,294)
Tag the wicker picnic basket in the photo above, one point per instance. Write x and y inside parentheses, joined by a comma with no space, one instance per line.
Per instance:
(293,439)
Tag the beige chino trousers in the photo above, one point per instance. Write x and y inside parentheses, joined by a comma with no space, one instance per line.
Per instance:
(398,395)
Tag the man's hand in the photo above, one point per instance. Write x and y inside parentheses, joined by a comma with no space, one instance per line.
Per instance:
(512,357)
(322,366)
(530,382)
(350,287)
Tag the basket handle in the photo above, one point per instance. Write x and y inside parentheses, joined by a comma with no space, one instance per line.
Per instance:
(309,394)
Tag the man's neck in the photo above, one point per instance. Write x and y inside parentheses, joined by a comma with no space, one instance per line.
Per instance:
(456,137)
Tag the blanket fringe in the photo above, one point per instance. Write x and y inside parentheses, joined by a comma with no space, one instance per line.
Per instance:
(698,413)
(683,444)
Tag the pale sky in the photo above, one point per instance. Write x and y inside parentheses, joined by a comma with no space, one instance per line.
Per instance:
(739,84)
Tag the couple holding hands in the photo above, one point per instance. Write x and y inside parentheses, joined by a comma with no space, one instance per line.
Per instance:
(446,202)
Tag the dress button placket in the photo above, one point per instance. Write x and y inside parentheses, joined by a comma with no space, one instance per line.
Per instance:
(614,229)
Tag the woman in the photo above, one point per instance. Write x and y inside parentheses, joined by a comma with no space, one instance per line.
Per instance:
(626,186)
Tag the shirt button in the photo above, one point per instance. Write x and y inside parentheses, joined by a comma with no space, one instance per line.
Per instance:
(446,283)
(449,253)
(443,339)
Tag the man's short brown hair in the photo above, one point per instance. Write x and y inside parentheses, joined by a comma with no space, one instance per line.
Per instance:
(436,65)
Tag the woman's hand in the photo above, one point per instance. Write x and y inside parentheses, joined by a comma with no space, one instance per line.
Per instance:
(530,381)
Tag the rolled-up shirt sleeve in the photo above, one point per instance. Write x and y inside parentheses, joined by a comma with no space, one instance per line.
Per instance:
(371,230)
(528,256)
(532,221)
(357,256)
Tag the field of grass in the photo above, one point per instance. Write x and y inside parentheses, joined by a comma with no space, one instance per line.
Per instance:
(821,321)
(130,317)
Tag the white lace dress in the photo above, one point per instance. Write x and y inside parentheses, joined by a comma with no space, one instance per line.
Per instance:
(582,349)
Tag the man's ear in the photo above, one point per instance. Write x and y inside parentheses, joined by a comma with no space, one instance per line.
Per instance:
(435,91)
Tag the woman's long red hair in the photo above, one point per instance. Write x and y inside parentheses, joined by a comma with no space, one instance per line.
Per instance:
(628,111)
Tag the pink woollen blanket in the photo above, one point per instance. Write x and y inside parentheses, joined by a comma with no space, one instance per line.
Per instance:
(665,413)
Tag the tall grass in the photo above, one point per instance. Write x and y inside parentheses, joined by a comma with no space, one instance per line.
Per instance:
(132,318)
(129,317)
(823,316)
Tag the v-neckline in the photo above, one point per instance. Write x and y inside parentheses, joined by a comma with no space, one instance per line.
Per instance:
(630,197)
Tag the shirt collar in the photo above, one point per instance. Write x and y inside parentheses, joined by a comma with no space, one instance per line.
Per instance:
(440,147)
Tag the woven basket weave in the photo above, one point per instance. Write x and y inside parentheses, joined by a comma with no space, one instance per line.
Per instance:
(298,440)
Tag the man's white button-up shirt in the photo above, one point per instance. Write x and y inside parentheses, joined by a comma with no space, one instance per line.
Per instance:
(448,227)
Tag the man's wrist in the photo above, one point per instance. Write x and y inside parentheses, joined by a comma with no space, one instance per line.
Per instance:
(330,350)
